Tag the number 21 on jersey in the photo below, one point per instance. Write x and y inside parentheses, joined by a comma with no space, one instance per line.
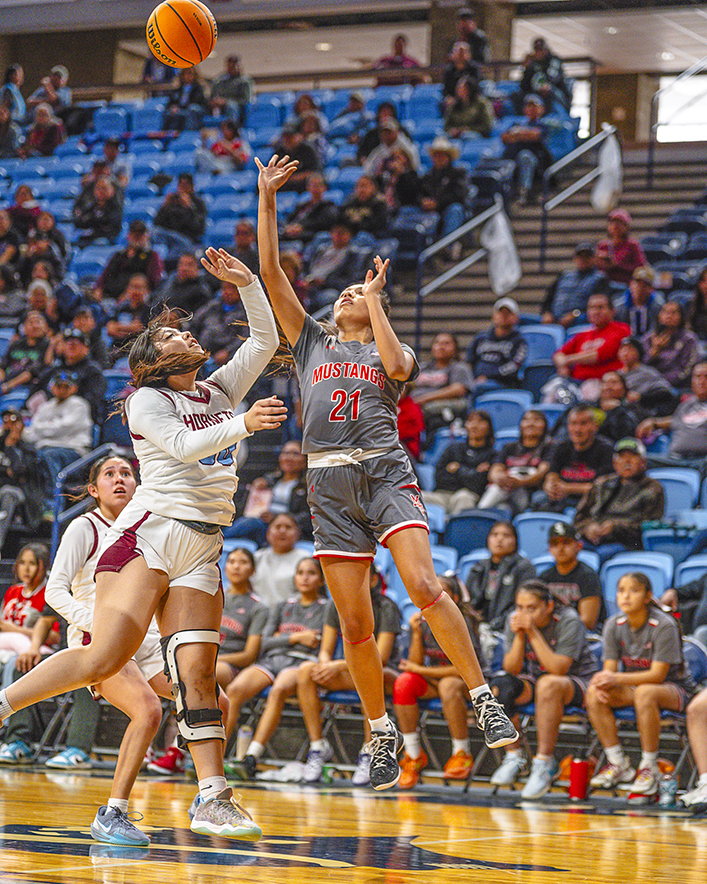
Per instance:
(343,402)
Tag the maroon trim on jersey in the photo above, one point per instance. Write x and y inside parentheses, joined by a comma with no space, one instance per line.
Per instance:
(124,550)
(136,436)
(336,554)
(403,526)
(215,384)
(202,395)
(165,394)
(94,546)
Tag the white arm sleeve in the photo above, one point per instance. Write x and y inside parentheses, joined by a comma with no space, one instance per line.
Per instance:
(152,416)
(252,357)
(72,555)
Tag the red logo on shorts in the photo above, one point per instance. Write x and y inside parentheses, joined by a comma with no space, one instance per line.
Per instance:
(415,498)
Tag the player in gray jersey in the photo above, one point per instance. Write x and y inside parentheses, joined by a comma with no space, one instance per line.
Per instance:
(361,485)
(547,661)
(643,667)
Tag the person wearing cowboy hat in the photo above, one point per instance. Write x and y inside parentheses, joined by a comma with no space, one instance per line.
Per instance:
(444,188)
(470,113)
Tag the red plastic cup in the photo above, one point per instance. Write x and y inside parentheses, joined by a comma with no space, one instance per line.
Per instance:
(579,779)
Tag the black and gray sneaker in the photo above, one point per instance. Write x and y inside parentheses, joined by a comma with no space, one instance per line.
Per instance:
(492,719)
(384,748)
(245,769)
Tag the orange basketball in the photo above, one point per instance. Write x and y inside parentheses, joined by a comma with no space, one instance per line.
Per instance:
(181,33)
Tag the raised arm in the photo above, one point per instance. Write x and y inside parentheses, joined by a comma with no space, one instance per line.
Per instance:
(397,363)
(289,311)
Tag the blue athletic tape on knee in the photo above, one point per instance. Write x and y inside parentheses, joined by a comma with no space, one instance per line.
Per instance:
(434,602)
(193,724)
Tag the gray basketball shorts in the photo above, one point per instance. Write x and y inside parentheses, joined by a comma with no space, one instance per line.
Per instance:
(356,506)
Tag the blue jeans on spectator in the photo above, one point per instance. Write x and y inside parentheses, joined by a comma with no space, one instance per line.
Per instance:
(56,459)
(527,163)
(452,218)
(252,529)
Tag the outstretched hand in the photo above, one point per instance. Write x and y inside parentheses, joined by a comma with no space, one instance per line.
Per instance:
(373,285)
(265,414)
(276,173)
(226,267)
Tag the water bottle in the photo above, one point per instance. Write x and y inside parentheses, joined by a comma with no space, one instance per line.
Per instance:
(667,789)
(579,779)
(245,735)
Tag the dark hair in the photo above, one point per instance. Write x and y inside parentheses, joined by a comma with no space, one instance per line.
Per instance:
(643,580)
(511,527)
(10,71)
(621,378)
(582,408)
(542,416)
(389,106)
(698,304)
(41,554)
(323,590)
(231,126)
(485,416)
(681,311)
(539,589)
(82,493)
(456,589)
(246,552)
(149,367)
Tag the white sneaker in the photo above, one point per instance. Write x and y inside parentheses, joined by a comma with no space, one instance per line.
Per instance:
(512,766)
(542,775)
(362,774)
(696,800)
(316,759)
(646,782)
(611,775)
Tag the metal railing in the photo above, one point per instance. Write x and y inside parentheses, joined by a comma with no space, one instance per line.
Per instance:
(549,204)
(424,290)
(692,71)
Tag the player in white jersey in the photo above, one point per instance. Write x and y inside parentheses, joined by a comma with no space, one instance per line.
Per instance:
(71,592)
(160,557)
(362,488)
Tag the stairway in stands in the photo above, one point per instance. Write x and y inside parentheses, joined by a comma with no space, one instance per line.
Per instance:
(464,304)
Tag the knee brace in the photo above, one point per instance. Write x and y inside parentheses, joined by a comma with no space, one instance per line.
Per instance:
(209,722)
(408,688)
(509,688)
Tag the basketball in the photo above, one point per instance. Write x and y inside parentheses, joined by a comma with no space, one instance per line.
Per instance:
(181,33)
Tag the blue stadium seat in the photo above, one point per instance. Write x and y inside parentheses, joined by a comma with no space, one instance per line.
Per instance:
(143,146)
(504,436)
(551,411)
(536,376)
(676,542)
(263,113)
(437,517)
(146,120)
(111,122)
(658,567)
(147,165)
(505,407)
(532,531)
(690,569)
(681,486)
(468,530)
(233,206)
(465,563)
(426,476)
(445,558)
(543,341)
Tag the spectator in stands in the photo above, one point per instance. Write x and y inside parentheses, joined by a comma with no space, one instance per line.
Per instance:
(73,357)
(24,211)
(544,76)
(570,581)
(459,67)
(576,463)
(11,93)
(184,211)
(371,139)
(186,289)
(276,562)
(411,424)
(469,32)
(329,266)
(566,299)
(352,120)
(61,428)
(227,153)
(444,187)
(687,426)
(547,661)
(40,297)
(52,90)
(496,356)
(395,69)
(99,169)
(391,138)
(46,243)
(640,304)
(690,600)
(231,91)
(305,106)
(647,642)
(23,602)
(493,583)
(118,166)
(590,354)
(245,247)
(130,316)
(672,349)
(621,416)
(292,264)
(292,635)
(100,218)
(646,386)
(85,321)
(313,215)
(461,473)
(21,476)
(427,673)
(610,515)
(443,384)
(697,312)
(10,241)
(312,132)
(137,257)
(154,73)
(292,143)
(400,182)
(470,113)
(220,324)
(282,491)
(520,467)
(186,103)
(10,135)
(27,354)
(365,209)
(526,144)
(620,254)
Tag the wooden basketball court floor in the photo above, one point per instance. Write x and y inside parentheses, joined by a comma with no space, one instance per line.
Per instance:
(341,834)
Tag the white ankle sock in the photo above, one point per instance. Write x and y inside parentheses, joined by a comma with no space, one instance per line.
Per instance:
(475,693)
(461,746)
(318,745)
(119,803)
(615,754)
(649,760)
(210,787)
(412,744)
(380,724)
(255,749)
(702,780)
(5,708)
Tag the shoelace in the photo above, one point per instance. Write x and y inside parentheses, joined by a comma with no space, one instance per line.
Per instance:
(391,739)
(126,821)
(315,761)
(488,709)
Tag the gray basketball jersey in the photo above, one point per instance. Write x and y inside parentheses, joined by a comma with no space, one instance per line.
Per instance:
(348,401)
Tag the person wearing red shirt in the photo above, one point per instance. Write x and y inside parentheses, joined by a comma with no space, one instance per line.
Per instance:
(23,602)
(590,354)
(619,255)
(411,423)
